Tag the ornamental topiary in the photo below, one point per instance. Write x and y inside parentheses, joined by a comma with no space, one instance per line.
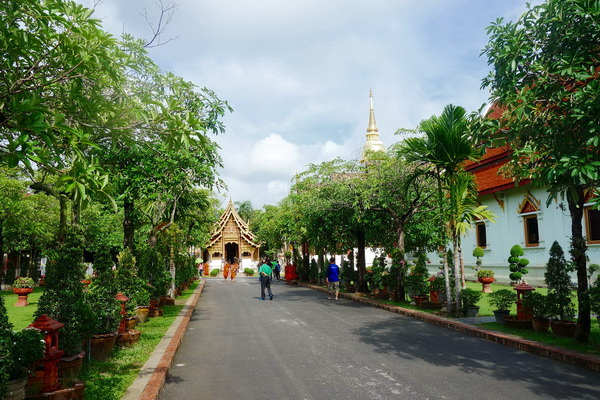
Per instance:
(101,295)
(478,252)
(559,284)
(516,264)
(63,298)
(129,283)
(214,272)
(470,297)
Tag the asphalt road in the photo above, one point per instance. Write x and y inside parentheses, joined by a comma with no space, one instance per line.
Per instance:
(303,346)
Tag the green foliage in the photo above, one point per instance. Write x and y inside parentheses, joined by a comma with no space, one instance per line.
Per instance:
(438,284)
(470,297)
(185,268)
(313,273)
(63,298)
(128,283)
(416,280)
(11,273)
(348,274)
(539,304)
(485,273)
(22,282)
(559,284)
(248,271)
(595,298)
(28,347)
(101,295)
(478,252)
(152,269)
(502,299)
(214,272)
(517,265)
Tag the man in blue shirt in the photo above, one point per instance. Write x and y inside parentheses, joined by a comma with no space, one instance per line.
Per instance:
(333,279)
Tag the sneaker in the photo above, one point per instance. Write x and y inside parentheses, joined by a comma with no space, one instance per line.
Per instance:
(270,297)
(329,298)
(262,298)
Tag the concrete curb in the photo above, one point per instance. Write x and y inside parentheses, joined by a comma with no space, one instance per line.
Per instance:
(556,353)
(153,374)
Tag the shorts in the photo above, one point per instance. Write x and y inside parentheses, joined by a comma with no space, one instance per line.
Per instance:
(333,286)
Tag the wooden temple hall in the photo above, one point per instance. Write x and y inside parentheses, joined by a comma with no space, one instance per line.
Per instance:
(231,239)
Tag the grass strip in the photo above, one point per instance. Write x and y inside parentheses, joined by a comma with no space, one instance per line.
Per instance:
(109,379)
(21,317)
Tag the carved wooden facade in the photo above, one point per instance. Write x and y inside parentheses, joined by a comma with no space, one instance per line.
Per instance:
(232,238)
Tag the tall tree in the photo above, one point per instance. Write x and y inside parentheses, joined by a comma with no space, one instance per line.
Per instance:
(447,144)
(545,78)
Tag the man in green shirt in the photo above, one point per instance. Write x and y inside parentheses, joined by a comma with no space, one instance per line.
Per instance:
(264,272)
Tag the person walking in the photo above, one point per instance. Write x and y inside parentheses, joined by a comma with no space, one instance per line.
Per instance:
(264,273)
(277,270)
(333,279)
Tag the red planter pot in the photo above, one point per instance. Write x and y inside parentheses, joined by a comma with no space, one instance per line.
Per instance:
(486,282)
(22,293)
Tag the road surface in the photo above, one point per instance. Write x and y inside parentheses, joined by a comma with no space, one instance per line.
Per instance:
(303,346)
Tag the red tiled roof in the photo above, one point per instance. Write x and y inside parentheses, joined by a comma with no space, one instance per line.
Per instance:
(487,171)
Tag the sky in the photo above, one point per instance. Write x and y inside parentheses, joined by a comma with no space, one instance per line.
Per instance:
(298,72)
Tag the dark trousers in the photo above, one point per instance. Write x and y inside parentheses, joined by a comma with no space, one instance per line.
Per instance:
(265,282)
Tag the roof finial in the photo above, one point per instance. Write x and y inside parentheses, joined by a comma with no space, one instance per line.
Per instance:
(373,142)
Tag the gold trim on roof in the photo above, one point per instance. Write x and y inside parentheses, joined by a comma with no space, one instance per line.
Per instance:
(231,213)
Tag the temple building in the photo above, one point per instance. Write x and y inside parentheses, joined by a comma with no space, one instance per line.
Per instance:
(231,238)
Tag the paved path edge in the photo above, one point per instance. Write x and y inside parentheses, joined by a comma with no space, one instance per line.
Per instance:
(556,353)
(153,374)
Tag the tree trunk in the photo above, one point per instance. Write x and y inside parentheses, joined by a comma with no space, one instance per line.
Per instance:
(321,258)
(75,213)
(128,227)
(462,265)
(578,250)
(399,292)
(360,261)
(62,224)
(457,277)
(305,262)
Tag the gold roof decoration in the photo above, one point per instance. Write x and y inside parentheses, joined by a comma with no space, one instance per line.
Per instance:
(373,142)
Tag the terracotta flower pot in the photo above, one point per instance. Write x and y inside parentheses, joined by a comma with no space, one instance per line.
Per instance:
(563,329)
(142,313)
(540,325)
(486,282)
(15,389)
(102,346)
(22,293)
(69,368)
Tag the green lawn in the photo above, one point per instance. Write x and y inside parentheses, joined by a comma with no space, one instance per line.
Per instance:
(21,317)
(107,380)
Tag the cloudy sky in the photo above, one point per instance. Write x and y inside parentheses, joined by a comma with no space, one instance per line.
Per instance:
(298,72)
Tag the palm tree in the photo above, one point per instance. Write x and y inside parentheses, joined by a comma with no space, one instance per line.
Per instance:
(464,212)
(244,209)
(447,144)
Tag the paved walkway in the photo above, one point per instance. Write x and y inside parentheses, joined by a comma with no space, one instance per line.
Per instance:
(301,307)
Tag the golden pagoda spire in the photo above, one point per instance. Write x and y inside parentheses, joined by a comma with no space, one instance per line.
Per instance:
(373,142)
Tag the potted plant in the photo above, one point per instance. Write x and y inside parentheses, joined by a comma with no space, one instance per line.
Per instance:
(469,298)
(486,277)
(538,303)
(63,300)
(437,287)
(104,306)
(502,300)
(348,276)
(22,287)
(560,297)
(516,264)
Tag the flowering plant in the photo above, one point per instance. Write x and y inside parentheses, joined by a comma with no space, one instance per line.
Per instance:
(22,283)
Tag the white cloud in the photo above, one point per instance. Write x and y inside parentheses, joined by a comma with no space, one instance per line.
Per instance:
(297,73)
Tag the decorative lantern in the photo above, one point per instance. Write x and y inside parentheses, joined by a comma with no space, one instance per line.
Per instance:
(48,375)
(523,313)
(123,299)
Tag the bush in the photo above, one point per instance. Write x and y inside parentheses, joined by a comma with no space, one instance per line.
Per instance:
(595,298)
(502,299)
(128,283)
(63,299)
(517,265)
(485,273)
(416,281)
(23,283)
(214,272)
(101,295)
(470,297)
(247,271)
(539,305)
(559,284)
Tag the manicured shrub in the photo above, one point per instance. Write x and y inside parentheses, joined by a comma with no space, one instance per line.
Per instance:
(503,299)
(517,264)
(214,272)
(559,284)
(101,295)
(470,297)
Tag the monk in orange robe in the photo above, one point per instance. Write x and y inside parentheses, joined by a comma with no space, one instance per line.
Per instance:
(226,270)
(234,270)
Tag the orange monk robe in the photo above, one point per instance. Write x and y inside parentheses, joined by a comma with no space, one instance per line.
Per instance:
(206,267)
(234,270)
(226,270)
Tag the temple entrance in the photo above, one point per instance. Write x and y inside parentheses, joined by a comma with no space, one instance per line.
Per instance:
(231,251)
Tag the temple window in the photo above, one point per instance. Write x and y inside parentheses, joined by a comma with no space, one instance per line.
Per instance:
(529,211)
(592,225)
(481,234)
